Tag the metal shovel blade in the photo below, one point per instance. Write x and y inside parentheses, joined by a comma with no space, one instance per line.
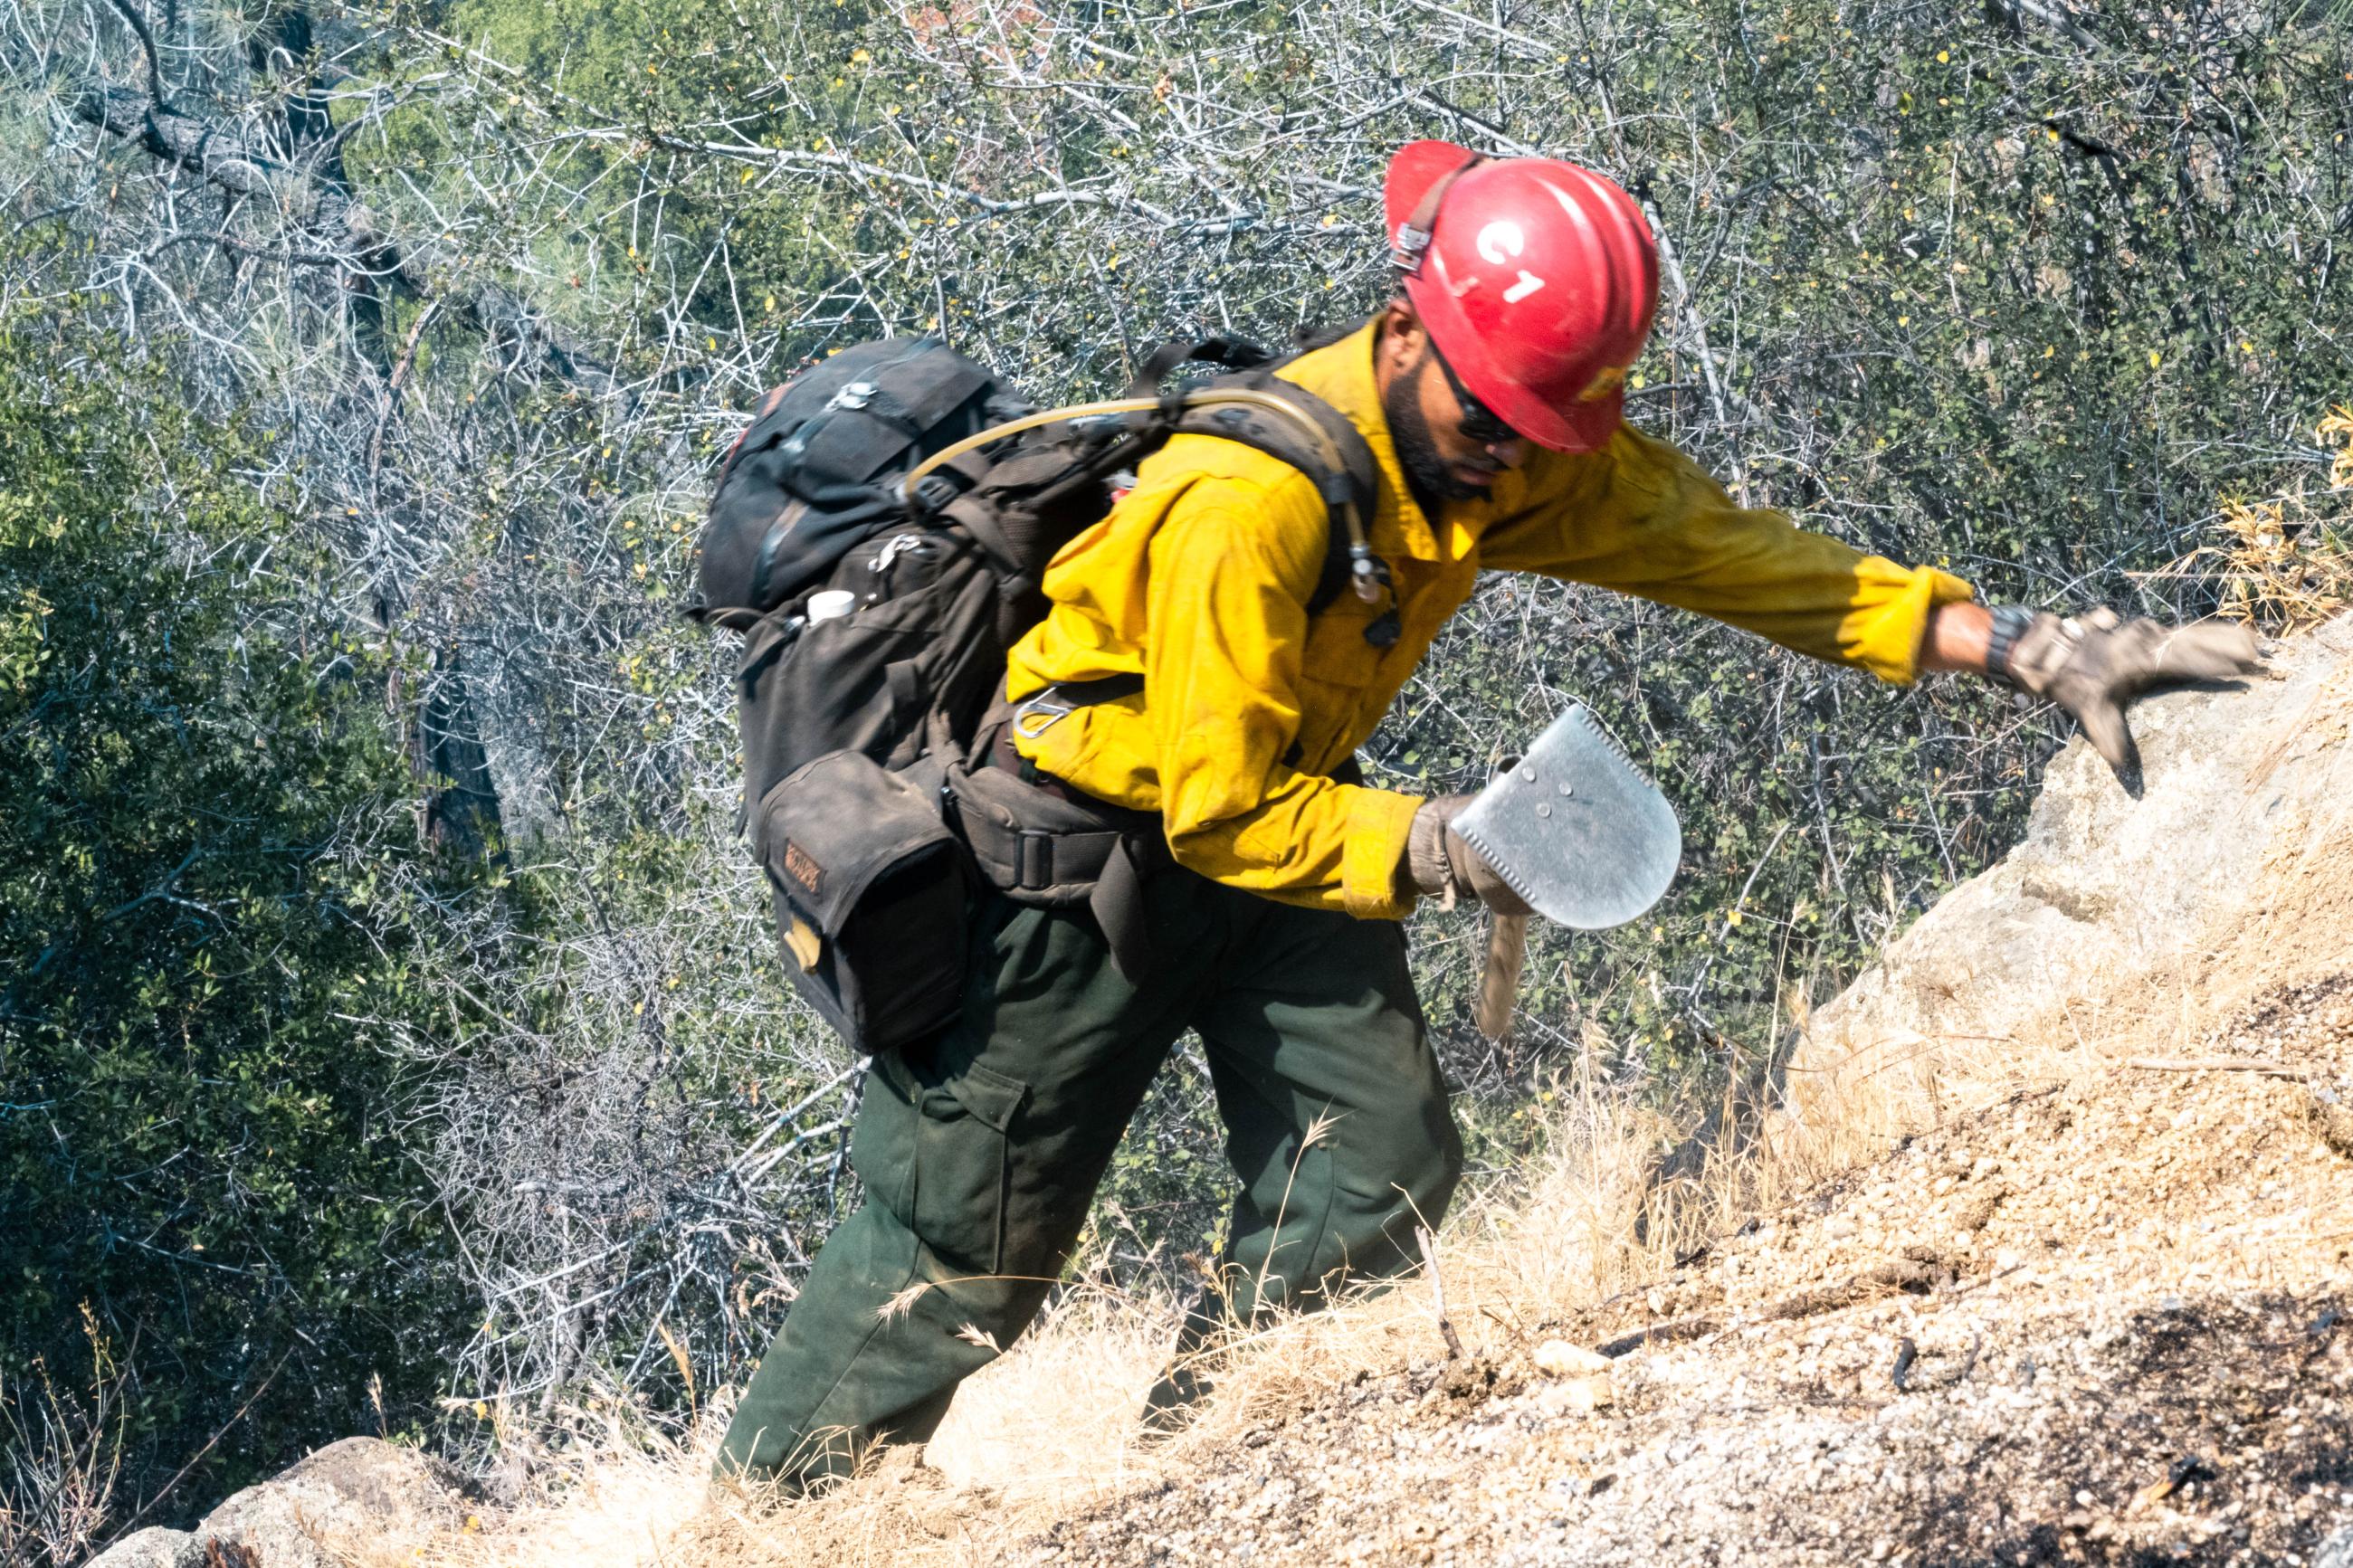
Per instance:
(1580,835)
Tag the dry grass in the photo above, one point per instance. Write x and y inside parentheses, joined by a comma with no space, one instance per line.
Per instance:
(62,1451)
(2285,561)
(1052,1426)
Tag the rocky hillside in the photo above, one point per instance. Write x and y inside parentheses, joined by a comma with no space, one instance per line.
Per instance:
(2095,1311)
(2049,1260)
(352,1495)
(2101,1321)
(2187,897)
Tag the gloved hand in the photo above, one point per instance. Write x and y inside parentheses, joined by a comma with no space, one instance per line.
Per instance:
(1441,864)
(2094,664)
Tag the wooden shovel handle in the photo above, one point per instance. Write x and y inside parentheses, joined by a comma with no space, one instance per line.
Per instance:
(1499,987)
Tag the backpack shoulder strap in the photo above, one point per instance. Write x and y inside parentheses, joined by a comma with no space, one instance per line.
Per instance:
(1232,353)
(1253,406)
(1317,439)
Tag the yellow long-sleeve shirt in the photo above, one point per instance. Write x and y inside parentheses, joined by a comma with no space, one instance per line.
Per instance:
(1199,581)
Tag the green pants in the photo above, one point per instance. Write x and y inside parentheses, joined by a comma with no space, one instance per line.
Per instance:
(980,1153)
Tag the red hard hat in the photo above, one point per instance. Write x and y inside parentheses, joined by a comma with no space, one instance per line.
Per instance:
(1537,279)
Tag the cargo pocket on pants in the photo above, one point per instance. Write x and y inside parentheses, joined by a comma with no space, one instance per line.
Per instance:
(963,1158)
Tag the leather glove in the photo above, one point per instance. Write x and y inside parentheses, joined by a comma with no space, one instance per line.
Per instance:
(1441,864)
(2093,664)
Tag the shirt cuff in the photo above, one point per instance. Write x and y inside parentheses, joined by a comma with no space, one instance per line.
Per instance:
(1379,823)
(1890,647)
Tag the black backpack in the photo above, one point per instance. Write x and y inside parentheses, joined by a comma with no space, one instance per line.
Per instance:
(878,533)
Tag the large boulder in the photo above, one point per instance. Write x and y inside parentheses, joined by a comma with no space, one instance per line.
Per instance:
(2113,899)
(358,1495)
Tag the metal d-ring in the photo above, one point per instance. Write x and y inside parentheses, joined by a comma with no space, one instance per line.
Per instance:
(1048,705)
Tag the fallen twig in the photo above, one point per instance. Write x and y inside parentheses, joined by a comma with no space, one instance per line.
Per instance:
(2216,1064)
(1911,1275)
(1428,1245)
(1659,1334)
(218,1433)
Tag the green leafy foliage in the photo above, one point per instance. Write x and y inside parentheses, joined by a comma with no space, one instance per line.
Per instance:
(199,1141)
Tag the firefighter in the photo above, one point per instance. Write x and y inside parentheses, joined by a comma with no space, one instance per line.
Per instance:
(1490,391)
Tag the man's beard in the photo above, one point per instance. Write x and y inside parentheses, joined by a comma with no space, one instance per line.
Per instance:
(1426,470)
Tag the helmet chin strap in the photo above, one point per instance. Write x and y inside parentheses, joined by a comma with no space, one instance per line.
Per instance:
(1412,240)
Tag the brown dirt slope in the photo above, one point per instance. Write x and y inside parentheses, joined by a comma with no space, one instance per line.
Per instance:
(2100,1322)
(2049,1260)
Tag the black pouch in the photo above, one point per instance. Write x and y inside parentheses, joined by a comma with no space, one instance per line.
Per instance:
(871,894)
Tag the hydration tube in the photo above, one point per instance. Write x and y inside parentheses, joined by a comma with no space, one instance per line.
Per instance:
(1361,571)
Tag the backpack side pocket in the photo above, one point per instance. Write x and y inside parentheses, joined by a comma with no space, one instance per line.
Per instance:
(872,895)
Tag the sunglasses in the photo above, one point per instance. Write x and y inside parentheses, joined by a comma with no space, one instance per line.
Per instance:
(1479,423)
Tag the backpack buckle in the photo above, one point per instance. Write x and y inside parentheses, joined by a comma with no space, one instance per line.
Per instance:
(853,394)
(1033,860)
(934,490)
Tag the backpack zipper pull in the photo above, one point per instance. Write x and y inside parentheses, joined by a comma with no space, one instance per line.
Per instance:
(896,546)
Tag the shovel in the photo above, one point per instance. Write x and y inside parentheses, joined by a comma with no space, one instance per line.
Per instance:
(1579,833)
